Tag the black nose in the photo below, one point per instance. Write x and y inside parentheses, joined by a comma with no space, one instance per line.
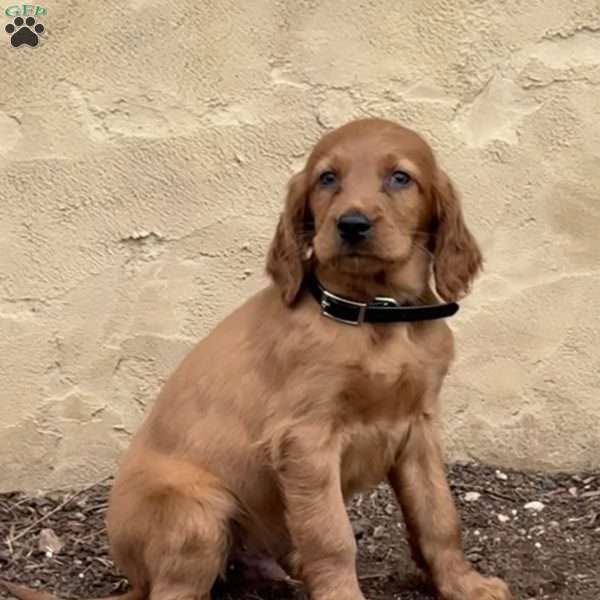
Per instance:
(353,227)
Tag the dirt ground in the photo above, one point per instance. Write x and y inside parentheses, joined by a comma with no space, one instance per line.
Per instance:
(548,550)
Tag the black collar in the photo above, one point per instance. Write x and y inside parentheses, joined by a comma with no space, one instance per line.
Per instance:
(379,310)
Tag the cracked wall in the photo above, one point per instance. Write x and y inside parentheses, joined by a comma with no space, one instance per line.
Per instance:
(144,150)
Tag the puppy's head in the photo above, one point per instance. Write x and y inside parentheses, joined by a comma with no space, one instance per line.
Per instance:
(371,201)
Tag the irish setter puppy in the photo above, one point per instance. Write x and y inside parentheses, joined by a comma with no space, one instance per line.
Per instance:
(322,385)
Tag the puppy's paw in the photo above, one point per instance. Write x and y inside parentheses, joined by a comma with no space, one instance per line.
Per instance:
(339,590)
(490,588)
(337,596)
(473,586)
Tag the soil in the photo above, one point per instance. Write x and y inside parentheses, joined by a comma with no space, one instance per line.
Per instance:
(545,551)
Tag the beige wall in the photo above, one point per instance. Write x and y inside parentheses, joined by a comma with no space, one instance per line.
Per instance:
(144,149)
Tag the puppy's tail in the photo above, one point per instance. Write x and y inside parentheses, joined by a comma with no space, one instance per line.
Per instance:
(25,593)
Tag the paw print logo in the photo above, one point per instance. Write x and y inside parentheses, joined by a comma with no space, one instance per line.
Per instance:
(24,32)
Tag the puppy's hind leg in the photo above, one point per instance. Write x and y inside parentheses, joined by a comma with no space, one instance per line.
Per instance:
(188,550)
(180,531)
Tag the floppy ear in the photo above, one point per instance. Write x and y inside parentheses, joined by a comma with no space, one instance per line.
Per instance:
(287,258)
(457,258)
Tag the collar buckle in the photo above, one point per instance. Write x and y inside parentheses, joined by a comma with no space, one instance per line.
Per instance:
(385,302)
(327,299)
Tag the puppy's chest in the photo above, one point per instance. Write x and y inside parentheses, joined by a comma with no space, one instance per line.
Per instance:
(378,398)
(369,452)
(382,387)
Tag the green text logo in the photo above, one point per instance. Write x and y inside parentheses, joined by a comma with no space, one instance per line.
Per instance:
(23,10)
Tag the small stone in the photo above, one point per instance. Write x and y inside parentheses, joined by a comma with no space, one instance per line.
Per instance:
(501,475)
(503,518)
(389,509)
(535,506)
(537,545)
(472,496)
(378,531)
(49,543)
(573,491)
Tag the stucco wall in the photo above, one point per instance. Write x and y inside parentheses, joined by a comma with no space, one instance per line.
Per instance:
(144,149)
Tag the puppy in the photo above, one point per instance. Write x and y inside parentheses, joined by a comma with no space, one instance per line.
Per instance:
(322,385)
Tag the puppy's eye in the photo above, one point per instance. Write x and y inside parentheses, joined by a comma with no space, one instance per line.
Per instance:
(399,179)
(328,179)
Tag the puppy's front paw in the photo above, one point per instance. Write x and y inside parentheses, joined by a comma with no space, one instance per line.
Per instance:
(473,586)
(489,588)
(343,591)
(336,596)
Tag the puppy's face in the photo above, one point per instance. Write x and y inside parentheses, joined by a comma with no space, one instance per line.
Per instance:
(371,201)
(369,194)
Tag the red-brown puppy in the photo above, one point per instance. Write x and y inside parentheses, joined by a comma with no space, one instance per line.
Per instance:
(276,418)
